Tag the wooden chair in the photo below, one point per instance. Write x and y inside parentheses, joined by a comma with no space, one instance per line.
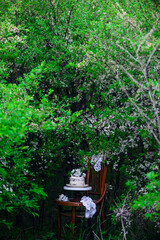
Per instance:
(98,182)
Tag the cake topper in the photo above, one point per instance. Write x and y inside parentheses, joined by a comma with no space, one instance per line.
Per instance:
(77,173)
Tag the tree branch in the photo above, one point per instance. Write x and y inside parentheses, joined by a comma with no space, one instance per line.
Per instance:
(145,117)
(144,39)
(151,55)
(53,7)
(128,53)
(155,110)
(68,22)
(133,79)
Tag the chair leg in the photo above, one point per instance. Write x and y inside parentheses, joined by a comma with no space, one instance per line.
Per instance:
(73,220)
(103,218)
(59,222)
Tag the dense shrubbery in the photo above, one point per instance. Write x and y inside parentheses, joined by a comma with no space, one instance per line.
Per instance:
(79,77)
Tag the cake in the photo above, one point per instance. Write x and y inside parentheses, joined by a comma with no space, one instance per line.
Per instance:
(77,181)
(77,178)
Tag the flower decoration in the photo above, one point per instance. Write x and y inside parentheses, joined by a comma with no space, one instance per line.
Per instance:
(77,173)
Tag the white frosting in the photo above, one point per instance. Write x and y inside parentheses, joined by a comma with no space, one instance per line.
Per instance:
(77,178)
(77,181)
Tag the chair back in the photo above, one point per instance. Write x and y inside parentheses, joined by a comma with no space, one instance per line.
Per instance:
(97,180)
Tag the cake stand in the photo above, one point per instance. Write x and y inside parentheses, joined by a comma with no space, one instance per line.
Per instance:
(80,188)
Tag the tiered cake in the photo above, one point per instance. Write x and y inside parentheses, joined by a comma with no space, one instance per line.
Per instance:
(77,178)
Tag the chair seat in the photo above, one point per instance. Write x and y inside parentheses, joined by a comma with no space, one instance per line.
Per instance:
(71,203)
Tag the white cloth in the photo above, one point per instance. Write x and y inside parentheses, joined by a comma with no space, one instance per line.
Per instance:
(62,197)
(89,205)
(96,160)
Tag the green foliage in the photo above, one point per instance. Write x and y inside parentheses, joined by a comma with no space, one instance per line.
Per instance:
(16,189)
(77,78)
(49,235)
(150,200)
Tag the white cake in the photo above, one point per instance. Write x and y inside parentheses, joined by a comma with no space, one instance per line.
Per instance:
(77,178)
(77,181)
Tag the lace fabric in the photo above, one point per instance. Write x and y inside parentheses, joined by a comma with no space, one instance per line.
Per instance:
(96,160)
(89,205)
(62,197)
